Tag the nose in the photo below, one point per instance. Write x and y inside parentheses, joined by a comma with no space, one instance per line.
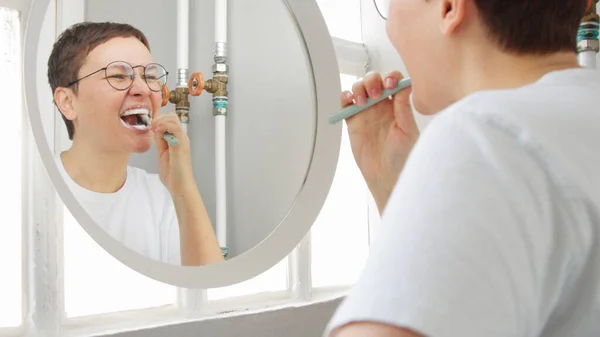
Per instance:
(139,86)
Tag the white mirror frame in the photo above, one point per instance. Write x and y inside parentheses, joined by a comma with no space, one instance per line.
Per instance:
(321,59)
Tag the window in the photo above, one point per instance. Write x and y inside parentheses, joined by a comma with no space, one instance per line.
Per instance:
(11,177)
(272,280)
(96,282)
(343,18)
(340,235)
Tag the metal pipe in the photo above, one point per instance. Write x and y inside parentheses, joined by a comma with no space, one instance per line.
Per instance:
(587,59)
(183,22)
(180,96)
(190,301)
(218,87)
(588,43)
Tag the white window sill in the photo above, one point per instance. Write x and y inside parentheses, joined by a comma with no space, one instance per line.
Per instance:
(122,322)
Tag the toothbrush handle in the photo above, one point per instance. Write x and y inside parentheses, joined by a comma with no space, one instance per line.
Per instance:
(172,140)
(353,109)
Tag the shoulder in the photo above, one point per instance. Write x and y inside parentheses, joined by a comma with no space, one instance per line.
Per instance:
(473,128)
(489,110)
(489,123)
(534,125)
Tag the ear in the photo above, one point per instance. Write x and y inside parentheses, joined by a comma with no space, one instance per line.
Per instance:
(453,14)
(64,99)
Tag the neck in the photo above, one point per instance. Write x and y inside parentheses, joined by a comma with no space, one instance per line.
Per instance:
(98,171)
(491,70)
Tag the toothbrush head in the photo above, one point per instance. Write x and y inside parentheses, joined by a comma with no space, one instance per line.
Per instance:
(146,119)
(172,140)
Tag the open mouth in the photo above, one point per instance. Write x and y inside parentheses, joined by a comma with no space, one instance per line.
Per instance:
(138,119)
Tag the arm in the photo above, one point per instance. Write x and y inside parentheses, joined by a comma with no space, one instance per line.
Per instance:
(463,246)
(198,241)
(361,329)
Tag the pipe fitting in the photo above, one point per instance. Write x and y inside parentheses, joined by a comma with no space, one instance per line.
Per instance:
(219,68)
(220,106)
(588,33)
(179,97)
(590,9)
(220,52)
(182,78)
(224,251)
(217,85)
(588,45)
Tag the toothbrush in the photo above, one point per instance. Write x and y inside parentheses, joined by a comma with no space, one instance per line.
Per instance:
(352,110)
(172,140)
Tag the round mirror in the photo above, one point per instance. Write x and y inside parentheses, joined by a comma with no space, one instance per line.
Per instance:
(252,86)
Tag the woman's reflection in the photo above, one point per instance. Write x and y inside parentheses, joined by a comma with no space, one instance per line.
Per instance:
(104,81)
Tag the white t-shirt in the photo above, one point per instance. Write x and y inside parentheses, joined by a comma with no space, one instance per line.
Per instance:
(493,228)
(141,215)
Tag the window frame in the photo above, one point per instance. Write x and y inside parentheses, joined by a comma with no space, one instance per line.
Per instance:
(43,261)
(21,7)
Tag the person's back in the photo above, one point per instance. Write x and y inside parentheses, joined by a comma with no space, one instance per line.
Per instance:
(546,152)
(491,217)
(508,243)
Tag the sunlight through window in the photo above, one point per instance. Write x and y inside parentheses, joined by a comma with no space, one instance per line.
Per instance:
(273,280)
(342,18)
(97,283)
(11,178)
(340,235)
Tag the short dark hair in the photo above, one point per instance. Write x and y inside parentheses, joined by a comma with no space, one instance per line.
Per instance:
(534,27)
(74,45)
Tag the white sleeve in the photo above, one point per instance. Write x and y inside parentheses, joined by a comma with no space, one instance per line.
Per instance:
(464,241)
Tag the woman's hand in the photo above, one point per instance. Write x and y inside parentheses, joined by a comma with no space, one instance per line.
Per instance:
(174,162)
(383,135)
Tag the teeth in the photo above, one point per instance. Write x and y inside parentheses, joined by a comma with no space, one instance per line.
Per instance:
(139,127)
(136,127)
(139,111)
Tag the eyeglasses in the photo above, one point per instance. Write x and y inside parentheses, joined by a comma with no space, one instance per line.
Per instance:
(120,75)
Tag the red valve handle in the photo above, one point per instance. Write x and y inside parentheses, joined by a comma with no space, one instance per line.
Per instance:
(196,90)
